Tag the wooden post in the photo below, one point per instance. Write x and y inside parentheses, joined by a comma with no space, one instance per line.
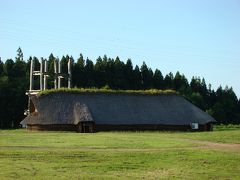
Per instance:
(45,75)
(55,73)
(31,75)
(59,74)
(69,73)
(41,74)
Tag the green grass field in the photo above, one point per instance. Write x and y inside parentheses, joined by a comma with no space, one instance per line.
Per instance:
(120,155)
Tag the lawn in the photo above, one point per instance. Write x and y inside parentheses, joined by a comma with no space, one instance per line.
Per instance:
(120,155)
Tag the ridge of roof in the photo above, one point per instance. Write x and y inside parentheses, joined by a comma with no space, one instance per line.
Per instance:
(107,91)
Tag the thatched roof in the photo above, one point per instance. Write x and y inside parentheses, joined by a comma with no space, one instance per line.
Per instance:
(114,108)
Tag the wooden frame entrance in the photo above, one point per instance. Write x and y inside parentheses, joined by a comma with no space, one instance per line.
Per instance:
(86,127)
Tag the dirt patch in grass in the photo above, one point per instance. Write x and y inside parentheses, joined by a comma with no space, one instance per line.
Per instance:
(199,144)
(213,145)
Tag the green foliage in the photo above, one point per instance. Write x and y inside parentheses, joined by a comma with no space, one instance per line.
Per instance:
(224,127)
(110,75)
(13,83)
(226,107)
(105,89)
(1,67)
(147,76)
(168,81)
(158,79)
(8,68)
(180,83)
(197,99)
(19,55)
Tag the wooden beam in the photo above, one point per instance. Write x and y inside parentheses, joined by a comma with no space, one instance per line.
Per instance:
(45,75)
(59,72)
(69,73)
(55,73)
(41,74)
(31,74)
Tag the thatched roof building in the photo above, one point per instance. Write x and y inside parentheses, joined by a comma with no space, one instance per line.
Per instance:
(97,111)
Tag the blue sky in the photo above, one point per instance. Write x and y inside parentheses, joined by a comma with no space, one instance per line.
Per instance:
(197,38)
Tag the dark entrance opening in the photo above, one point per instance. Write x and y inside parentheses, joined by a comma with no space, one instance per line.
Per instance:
(209,127)
(86,127)
(31,106)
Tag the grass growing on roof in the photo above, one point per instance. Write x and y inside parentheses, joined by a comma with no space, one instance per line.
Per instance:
(104,90)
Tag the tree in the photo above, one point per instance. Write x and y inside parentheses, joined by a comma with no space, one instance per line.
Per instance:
(51,60)
(180,83)
(98,73)
(105,70)
(19,55)
(129,74)
(168,81)
(79,78)
(197,99)
(19,69)
(222,104)
(8,68)
(225,109)
(177,81)
(137,78)
(64,69)
(13,85)
(147,76)
(4,88)
(89,72)
(158,79)
(1,67)
(110,73)
(196,84)
(119,76)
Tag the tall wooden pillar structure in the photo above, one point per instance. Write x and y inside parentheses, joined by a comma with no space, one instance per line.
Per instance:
(43,75)
(58,75)
(69,73)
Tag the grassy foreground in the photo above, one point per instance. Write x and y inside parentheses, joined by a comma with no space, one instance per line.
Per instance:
(120,155)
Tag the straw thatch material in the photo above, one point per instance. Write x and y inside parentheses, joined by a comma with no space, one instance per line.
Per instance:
(115,109)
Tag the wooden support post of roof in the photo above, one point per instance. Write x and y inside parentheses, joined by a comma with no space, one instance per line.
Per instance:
(69,73)
(41,74)
(55,74)
(31,74)
(59,73)
(45,75)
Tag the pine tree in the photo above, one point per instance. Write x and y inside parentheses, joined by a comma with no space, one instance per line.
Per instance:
(158,79)
(89,72)
(168,81)
(129,75)
(1,67)
(147,76)
(137,78)
(222,104)
(8,68)
(19,55)
(79,78)
(119,76)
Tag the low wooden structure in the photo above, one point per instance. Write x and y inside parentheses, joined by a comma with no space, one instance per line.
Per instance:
(99,111)
(92,112)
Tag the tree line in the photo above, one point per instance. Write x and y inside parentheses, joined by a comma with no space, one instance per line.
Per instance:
(106,72)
